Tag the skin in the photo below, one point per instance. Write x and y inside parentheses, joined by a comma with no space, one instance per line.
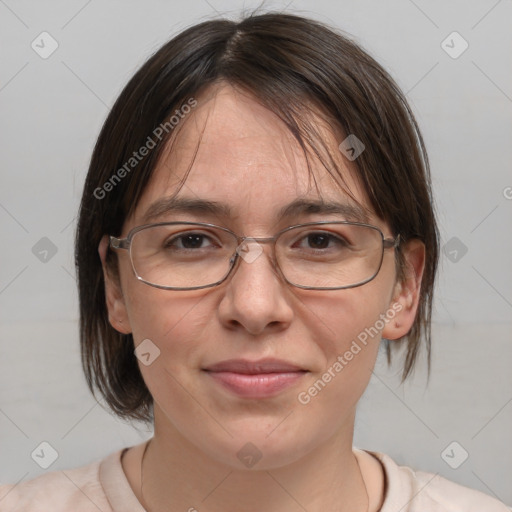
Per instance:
(248,160)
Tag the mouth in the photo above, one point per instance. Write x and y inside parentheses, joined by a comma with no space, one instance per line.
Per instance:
(255,379)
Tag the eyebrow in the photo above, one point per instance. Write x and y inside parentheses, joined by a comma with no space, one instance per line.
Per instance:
(188,205)
(313,206)
(299,207)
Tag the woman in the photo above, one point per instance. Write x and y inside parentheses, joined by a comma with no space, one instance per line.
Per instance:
(256,218)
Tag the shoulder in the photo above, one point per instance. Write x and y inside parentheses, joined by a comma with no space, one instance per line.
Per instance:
(77,489)
(416,491)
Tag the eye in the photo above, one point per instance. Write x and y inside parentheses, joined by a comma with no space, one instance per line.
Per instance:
(188,241)
(321,240)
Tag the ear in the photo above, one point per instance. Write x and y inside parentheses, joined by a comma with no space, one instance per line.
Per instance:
(117,312)
(406,292)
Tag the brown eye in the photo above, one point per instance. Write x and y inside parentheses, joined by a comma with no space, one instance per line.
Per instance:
(321,240)
(187,241)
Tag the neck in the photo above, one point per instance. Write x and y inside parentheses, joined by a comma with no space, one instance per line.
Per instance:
(176,473)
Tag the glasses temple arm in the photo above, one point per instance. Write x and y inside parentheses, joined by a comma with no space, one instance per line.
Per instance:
(119,243)
(392,242)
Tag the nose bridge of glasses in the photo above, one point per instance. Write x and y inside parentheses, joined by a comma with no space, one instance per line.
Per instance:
(256,240)
(250,248)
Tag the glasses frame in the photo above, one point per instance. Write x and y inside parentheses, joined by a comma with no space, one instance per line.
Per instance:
(126,244)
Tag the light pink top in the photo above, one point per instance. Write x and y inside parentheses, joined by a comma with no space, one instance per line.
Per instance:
(102,486)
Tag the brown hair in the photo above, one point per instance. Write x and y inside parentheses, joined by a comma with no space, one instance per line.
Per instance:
(287,62)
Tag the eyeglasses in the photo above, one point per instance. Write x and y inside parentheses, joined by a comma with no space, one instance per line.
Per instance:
(316,255)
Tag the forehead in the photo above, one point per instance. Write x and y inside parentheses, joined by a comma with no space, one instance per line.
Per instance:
(241,155)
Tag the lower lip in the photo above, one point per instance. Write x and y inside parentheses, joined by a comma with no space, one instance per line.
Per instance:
(261,385)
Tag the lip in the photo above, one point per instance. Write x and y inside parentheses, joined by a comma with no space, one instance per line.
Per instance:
(260,366)
(255,379)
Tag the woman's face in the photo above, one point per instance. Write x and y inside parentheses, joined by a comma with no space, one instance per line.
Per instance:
(248,161)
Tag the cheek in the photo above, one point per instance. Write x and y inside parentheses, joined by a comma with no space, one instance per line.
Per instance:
(165,315)
(347,328)
(181,326)
(177,323)
(344,317)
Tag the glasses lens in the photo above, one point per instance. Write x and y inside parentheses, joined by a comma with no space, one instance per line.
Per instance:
(330,255)
(182,255)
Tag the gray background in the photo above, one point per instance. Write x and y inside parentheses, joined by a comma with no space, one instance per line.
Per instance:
(51,112)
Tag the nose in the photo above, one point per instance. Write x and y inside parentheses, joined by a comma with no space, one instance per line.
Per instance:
(256,298)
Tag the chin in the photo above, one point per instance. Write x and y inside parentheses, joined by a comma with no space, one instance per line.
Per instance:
(256,447)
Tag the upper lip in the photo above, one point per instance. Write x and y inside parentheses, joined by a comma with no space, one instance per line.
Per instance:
(254,367)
